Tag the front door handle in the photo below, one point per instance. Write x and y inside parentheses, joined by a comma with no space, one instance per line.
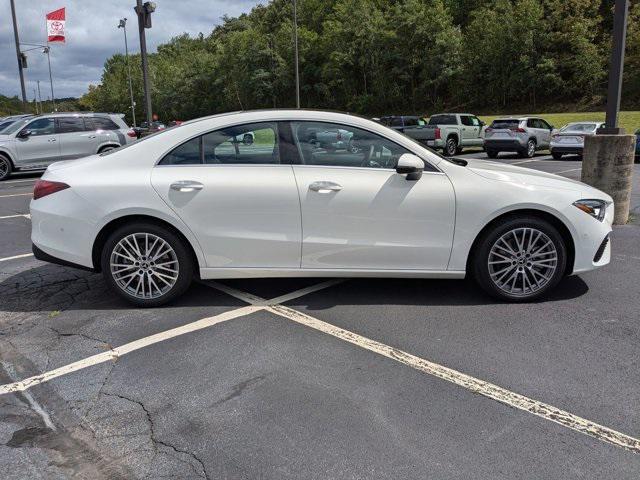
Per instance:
(51,140)
(186,186)
(325,187)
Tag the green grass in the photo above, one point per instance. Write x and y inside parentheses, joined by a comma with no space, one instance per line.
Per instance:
(630,121)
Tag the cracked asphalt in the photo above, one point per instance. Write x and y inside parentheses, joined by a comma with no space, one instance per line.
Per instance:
(261,397)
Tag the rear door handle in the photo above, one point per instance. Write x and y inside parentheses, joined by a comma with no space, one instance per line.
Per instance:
(325,187)
(186,186)
(51,140)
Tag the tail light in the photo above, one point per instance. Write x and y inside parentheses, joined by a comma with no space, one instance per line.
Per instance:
(488,130)
(43,188)
(132,133)
(438,134)
(518,130)
(555,136)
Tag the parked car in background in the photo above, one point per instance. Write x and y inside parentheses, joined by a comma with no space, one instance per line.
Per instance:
(34,142)
(452,132)
(196,203)
(570,138)
(7,121)
(524,135)
(411,125)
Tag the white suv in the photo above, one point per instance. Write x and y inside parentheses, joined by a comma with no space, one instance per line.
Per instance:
(35,142)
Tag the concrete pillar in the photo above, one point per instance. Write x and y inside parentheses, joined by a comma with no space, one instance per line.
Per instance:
(607,164)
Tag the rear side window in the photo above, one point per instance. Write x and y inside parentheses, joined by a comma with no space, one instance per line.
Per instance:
(396,122)
(188,153)
(466,120)
(505,123)
(69,125)
(101,123)
(254,144)
(443,120)
(410,121)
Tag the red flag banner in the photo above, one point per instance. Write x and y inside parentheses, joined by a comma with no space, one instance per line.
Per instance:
(55,25)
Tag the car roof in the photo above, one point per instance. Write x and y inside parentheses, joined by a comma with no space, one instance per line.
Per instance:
(79,114)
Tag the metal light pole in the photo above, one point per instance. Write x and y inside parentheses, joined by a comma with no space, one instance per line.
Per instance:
(123,25)
(144,21)
(295,41)
(616,68)
(53,99)
(18,55)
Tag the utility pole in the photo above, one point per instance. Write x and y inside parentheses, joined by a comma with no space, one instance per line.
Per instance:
(40,97)
(295,41)
(46,50)
(144,12)
(18,55)
(123,25)
(35,100)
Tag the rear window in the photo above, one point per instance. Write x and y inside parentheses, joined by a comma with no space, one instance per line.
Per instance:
(443,120)
(508,123)
(410,121)
(579,127)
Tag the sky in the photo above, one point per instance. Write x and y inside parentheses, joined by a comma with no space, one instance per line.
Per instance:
(93,36)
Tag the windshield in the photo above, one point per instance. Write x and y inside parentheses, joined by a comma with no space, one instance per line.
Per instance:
(4,125)
(579,127)
(15,126)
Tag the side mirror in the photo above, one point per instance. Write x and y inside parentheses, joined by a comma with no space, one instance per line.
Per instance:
(552,128)
(410,165)
(482,124)
(24,133)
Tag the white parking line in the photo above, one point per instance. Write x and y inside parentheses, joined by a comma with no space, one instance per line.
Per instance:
(115,353)
(15,257)
(567,171)
(24,215)
(489,390)
(17,195)
(19,181)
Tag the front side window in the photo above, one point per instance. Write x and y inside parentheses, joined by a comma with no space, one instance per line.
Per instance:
(329,144)
(69,125)
(41,126)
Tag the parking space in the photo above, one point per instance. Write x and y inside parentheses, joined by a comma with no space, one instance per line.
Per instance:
(312,378)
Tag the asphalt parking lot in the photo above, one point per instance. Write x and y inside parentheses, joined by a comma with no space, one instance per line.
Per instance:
(315,378)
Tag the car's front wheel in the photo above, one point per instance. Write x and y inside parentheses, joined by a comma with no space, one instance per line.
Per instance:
(146,264)
(5,167)
(519,259)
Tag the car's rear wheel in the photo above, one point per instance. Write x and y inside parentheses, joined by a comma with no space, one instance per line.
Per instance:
(530,150)
(556,155)
(492,153)
(5,167)
(520,259)
(450,147)
(146,264)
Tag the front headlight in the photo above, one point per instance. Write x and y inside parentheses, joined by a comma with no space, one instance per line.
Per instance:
(595,208)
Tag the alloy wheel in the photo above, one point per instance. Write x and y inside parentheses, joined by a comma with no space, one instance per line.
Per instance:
(531,148)
(144,265)
(522,261)
(4,167)
(452,145)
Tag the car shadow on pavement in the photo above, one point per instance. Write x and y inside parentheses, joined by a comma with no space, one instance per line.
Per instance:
(55,288)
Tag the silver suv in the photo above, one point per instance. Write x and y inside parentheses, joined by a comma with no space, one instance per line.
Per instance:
(35,142)
(523,135)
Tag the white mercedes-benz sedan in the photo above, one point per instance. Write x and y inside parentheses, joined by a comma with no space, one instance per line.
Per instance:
(197,201)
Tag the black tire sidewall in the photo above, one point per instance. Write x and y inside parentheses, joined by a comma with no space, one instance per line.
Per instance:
(533,153)
(185,261)
(480,268)
(447,151)
(492,154)
(9,168)
(556,156)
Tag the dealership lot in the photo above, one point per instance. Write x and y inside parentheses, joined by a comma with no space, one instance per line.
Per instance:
(315,382)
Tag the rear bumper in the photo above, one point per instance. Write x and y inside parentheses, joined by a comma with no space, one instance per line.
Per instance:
(575,149)
(503,145)
(45,257)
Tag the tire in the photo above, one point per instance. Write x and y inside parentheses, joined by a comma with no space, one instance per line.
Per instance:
(450,147)
(556,155)
(492,153)
(521,281)
(5,167)
(530,150)
(106,149)
(126,275)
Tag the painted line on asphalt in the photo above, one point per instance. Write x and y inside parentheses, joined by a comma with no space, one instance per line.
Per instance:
(567,171)
(17,195)
(475,385)
(23,215)
(15,257)
(19,181)
(117,352)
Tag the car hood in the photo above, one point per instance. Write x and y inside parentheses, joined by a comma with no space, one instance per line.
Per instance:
(526,176)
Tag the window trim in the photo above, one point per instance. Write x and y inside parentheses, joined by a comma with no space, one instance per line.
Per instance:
(26,126)
(57,125)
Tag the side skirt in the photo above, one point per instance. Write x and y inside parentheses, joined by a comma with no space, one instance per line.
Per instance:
(220,273)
